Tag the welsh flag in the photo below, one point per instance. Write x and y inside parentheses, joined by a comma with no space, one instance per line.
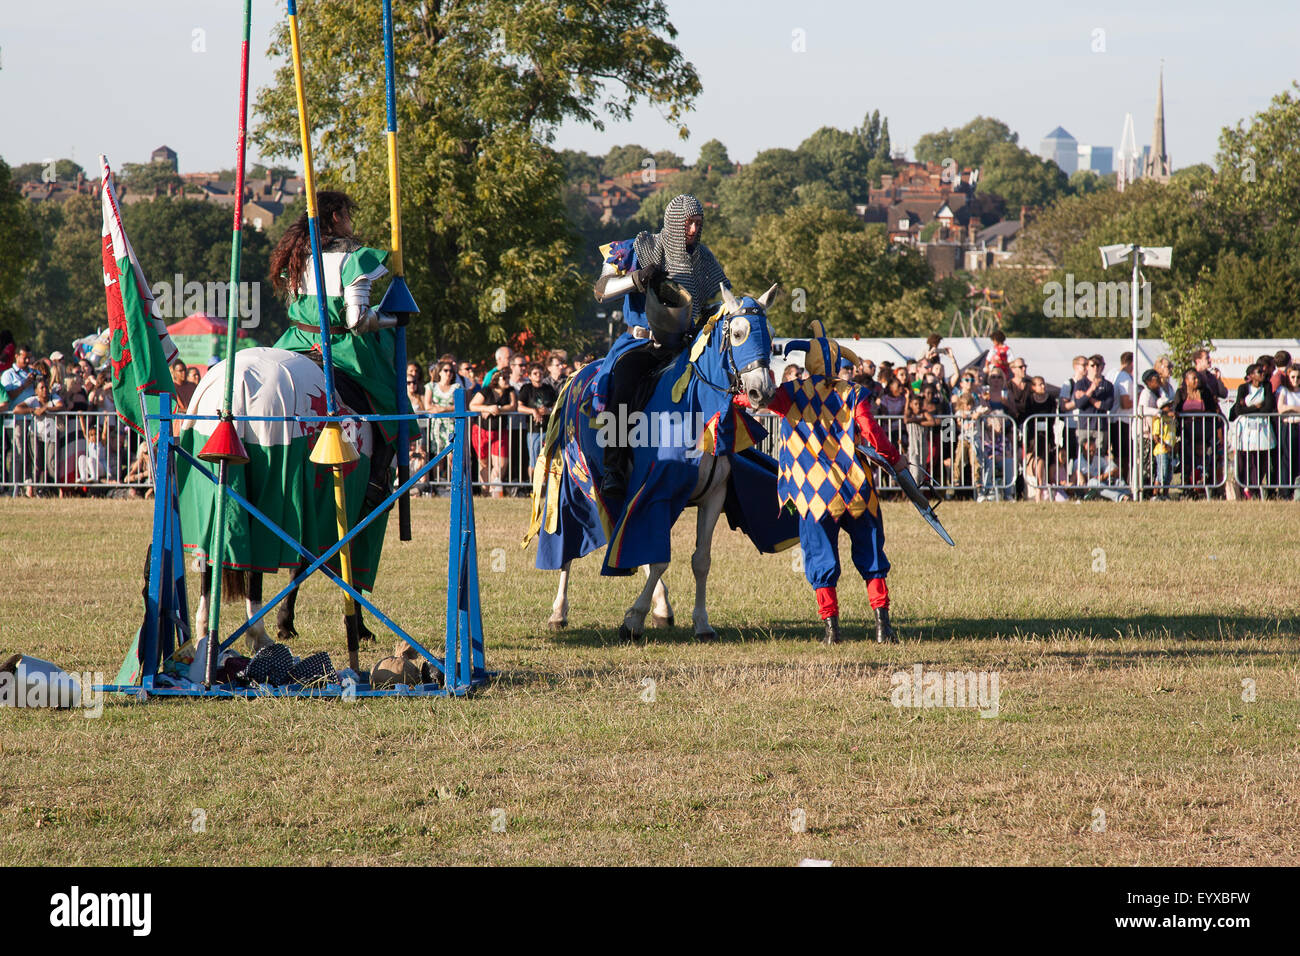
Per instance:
(140,351)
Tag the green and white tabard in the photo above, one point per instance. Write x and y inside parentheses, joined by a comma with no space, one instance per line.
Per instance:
(367,357)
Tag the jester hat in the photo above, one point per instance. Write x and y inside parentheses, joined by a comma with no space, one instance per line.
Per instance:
(824,356)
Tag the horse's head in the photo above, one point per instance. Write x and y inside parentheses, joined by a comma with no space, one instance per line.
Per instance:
(747,345)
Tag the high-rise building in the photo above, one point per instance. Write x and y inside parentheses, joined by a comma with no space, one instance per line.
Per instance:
(1129,165)
(1061,148)
(1100,159)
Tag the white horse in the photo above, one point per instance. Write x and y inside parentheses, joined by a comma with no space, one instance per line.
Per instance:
(281,481)
(730,357)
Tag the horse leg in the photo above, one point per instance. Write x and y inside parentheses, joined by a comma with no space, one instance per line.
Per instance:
(706,520)
(661,612)
(205,596)
(284,614)
(256,635)
(634,619)
(559,618)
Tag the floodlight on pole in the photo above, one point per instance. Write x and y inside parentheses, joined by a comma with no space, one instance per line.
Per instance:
(1159,257)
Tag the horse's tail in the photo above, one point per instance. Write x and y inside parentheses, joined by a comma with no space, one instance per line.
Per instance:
(234,584)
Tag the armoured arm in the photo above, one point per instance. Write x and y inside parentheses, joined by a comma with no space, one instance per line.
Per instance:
(611,285)
(360,317)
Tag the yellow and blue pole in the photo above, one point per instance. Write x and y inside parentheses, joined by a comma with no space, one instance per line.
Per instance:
(224,446)
(397,300)
(332,448)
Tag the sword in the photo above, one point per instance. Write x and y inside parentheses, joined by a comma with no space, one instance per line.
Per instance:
(910,488)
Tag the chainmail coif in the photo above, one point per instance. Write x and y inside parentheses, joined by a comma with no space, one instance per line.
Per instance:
(697,269)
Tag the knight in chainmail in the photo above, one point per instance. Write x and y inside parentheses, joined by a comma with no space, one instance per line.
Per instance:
(690,264)
(656,330)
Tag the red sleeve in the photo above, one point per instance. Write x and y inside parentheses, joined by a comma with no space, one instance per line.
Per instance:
(874,434)
(781,401)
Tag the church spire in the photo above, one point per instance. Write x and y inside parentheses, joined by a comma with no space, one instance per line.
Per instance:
(1157,164)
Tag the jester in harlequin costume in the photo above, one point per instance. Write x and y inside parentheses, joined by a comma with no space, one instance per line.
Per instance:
(362,340)
(822,476)
(661,316)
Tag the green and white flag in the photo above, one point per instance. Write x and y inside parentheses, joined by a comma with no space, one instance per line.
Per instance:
(140,350)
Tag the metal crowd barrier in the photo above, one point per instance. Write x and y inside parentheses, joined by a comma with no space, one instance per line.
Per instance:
(980,455)
(1265,453)
(94,451)
(503,453)
(1185,454)
(98,453)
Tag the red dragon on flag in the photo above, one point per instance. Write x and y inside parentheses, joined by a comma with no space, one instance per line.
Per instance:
(140,350)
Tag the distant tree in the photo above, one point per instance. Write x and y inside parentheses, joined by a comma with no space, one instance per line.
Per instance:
(580,167)
(1086,181)
(147,178)
(667,159)
(624,159)
(968,145)
(869,132)
(63,170)
(820,193)
(18,249)
(1259,174)
(62,295)
(764,187)
(1020,177)
(883,147)
(713,155)
(831,266)
(840,160)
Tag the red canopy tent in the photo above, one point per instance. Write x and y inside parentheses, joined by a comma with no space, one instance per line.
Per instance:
(199,339)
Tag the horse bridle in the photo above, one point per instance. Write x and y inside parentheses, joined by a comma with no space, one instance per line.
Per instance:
(734,384)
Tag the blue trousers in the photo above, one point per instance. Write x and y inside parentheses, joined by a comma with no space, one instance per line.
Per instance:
(821,552)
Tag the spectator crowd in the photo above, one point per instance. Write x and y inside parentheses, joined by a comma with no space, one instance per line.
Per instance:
(989,430)
(994,431)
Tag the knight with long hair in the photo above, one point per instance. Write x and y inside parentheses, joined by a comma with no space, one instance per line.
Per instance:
(362,340)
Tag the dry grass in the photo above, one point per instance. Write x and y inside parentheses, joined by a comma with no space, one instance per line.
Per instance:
(1121,691)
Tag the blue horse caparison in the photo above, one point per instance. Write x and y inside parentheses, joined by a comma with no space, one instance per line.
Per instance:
(694,448)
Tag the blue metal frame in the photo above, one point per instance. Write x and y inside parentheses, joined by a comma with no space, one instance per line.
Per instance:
(166,621)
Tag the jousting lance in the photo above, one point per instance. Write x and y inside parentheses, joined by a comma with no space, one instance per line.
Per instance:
(332,447)
(224,447)
(397,299)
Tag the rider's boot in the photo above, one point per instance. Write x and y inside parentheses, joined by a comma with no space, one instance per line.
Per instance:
(884,630)
(828,609)
(613,481)
(832,635)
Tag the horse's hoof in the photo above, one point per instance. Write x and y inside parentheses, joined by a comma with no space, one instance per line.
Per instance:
(283,634)
(556,625)
(707,637)
(663,621)
(627,636)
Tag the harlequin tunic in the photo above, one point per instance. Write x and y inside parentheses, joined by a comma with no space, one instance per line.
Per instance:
(819,471)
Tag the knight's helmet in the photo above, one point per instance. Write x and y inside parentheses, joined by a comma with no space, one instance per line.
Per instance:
(668,311)
(824,356)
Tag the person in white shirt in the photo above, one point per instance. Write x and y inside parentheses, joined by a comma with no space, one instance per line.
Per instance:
(1121,413)
(1288,431)
(1097,473)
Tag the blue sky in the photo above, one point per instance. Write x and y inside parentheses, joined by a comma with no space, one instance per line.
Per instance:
(1030,64)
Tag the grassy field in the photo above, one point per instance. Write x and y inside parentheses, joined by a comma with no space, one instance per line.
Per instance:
(1149,707)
